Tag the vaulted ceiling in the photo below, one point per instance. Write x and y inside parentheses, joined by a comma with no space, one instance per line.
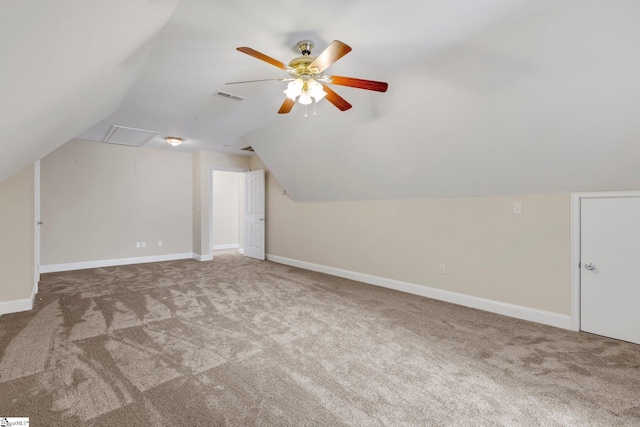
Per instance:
(66,65)
(485,98)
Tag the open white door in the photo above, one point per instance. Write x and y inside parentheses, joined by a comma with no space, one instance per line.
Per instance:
(254,214)
(609,276)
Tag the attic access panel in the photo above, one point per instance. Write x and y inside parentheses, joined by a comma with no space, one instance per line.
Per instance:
(133,137)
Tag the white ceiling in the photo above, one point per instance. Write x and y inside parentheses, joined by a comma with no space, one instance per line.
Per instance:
(196,55)
(66,65)
(548,105)
(485,98)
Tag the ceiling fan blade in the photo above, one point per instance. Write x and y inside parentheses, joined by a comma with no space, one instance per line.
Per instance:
(336,99)
(359,83)
(331,54)
(263,57)
(287,105)
(261,80)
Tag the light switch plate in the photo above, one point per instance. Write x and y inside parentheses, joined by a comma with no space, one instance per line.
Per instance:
(517,208)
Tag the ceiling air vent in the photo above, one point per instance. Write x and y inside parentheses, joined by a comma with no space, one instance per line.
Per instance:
(247,149)
(129,136)
(229,96)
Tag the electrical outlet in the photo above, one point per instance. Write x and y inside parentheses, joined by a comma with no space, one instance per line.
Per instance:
(144,244)
(442,269)
(159,243)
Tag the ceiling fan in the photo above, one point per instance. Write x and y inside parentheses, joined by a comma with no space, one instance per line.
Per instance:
(307,81)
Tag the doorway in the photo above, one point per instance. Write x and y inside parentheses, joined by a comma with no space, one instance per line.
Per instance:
(227,210)
(605,249)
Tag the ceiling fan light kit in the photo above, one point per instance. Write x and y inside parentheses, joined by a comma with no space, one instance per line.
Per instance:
(305,90)
(307,82)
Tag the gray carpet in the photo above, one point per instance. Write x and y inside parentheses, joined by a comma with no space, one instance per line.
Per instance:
(242,342)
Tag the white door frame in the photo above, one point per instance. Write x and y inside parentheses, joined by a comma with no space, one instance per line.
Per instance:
(37,220)
(210,192)
(576,198)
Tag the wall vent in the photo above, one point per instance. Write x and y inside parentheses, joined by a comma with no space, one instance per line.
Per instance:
(133,137)
(229,96)
(247,149)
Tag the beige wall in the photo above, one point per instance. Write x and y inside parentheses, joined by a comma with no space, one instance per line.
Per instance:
(487,251)
(226,207)
(99,199)
(17,238)
(196,208)
(93,197)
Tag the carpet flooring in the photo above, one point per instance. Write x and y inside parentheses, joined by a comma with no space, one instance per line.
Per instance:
(241,342)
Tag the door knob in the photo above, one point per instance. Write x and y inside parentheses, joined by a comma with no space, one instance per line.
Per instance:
(590,266)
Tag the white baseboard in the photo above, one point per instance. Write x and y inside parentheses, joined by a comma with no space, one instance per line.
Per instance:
(16,306)
(227,246)
(34,291)
(19,305)
(241,251)
(53,268)
(202,257)
(511,310)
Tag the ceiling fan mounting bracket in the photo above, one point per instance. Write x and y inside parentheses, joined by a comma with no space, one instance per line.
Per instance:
(305,46)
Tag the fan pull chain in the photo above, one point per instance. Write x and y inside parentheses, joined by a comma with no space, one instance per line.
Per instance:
(305,110)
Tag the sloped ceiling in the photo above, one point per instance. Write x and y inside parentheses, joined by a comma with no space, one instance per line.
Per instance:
(66,65)
(486,98)
(544,106)
(197,55)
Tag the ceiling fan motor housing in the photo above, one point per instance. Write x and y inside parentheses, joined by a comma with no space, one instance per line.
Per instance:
(300,66)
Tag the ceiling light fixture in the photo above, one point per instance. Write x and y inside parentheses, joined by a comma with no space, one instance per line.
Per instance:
(306,90)
(174,140)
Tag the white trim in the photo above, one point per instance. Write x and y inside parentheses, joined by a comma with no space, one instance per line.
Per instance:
(37,216)
(241,251)
(575,262)
(511,310)
(576,199)
(202,257)
(229,169)
(53,268)
(15,306)
(34,291)
(227,246)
